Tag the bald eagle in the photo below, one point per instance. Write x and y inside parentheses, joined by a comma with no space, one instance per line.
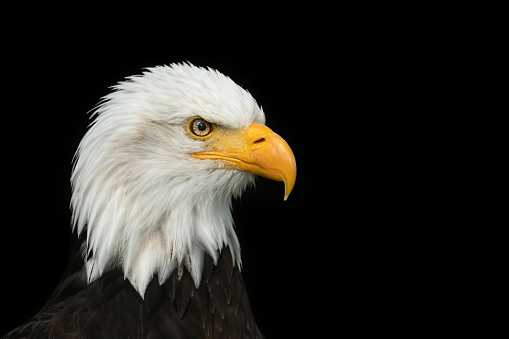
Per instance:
(155,254)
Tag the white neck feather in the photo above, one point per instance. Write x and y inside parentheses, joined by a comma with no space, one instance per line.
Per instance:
(144,204)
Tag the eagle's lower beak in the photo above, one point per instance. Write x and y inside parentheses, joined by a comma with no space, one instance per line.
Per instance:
(258,150)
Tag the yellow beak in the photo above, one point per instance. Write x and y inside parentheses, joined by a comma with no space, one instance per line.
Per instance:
(258,150)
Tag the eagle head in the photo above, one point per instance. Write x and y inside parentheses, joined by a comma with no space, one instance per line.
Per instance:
(154,176)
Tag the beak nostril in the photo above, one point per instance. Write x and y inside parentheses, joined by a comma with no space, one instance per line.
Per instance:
(259,140)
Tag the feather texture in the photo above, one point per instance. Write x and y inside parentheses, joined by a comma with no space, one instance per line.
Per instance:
(143,203)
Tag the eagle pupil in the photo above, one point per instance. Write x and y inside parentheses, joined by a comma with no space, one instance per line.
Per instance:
(201,126)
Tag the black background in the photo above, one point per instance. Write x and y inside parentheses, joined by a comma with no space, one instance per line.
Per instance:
(350,250)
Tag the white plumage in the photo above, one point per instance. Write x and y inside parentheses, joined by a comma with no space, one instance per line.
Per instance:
(142,202)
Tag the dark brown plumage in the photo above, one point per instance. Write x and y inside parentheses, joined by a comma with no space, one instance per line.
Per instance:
(110,307)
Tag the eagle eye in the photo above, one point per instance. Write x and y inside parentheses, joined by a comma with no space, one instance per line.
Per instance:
(200,128)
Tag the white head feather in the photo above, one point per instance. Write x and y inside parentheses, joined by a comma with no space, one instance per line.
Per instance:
(146,204)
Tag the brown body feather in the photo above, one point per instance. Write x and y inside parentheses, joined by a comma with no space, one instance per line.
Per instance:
(110,307)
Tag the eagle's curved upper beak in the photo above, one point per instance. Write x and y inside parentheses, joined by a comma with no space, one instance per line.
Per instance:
(258,150)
